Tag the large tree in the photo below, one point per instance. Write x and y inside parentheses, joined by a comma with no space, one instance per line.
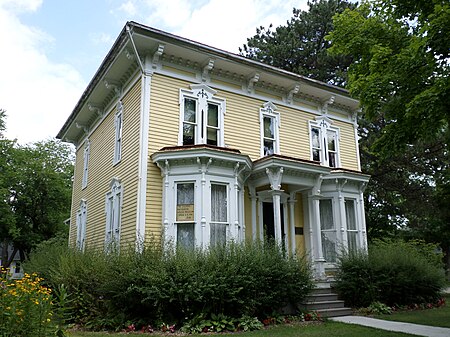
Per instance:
(300,46)
(35,192)
(401,75)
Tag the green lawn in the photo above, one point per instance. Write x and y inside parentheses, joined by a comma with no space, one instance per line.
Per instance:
(329,329)
(434,317)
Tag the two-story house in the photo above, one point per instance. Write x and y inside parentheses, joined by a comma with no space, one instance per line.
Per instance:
(185,143)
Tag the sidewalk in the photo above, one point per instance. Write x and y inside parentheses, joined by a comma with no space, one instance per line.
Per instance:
(413,329)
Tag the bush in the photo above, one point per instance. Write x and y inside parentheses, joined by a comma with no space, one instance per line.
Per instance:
(393,273)
(156,286)
(25,307)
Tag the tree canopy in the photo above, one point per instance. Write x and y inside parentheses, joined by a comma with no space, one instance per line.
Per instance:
(35,192)
(300,46)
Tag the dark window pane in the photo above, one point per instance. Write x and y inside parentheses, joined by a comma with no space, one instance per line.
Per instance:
(268,128)
(211,134)
(189,110)
(316,155)
(268,147)
(188,134)
(332,159)
(213,115)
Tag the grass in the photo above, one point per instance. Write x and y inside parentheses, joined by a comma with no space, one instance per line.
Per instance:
(329,329)
(434,317)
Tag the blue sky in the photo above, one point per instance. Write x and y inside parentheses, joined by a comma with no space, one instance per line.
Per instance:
(52,48)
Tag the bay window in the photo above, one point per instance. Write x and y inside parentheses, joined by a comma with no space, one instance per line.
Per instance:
(328,230)
(352,230)
(219,214)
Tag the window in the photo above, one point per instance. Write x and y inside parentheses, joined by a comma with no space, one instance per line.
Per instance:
(185,215)
(328,230)
(87,146)
(81,218)
(352,231)
(270,122)
(219,214)
(113,213)
(118,125)
(201,116)
(324,142)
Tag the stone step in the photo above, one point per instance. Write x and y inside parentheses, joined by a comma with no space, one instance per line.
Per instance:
(314,297)
(314,306)
(335,312)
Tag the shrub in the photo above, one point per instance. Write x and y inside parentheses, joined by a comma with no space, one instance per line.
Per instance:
(393,273)
(174,286)
(25,307)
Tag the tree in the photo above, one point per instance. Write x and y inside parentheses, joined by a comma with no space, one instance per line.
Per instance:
(35,190)
(400,74)
(300,46)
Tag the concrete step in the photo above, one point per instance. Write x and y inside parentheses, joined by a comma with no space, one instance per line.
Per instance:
(335,312)
(321,297)
(324,305)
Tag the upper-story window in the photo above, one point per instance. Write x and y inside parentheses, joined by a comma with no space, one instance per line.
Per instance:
(324,142)
(81,218)
(113,213)
(118,126)
(202,116)
(86,155)
(270,123)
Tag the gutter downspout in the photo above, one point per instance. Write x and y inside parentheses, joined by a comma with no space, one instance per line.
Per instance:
(143,146)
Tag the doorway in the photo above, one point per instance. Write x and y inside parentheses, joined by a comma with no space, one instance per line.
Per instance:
(268,222)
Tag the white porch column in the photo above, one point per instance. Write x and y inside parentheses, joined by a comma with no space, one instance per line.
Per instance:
(275,184)
(204,231)
(292,202)
(362,215)
(276,197)
(314,207)
(169,233)
(252,194)
(260,216)
(342,215)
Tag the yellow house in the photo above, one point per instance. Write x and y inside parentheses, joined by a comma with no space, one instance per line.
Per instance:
(187,143)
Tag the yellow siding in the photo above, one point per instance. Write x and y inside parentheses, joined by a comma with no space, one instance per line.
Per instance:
(101,172)
(347,145)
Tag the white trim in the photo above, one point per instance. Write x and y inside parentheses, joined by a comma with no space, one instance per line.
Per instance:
(118,130)
(143,157)
(324,126)
(86,155)
(81,220)
(202,95)
(113,210)
(269,110)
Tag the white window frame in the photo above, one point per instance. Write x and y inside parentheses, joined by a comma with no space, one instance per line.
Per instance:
(178,222)
(81,219)
(113,210)
(226,223)
(330,230)
(356,229)
(86,155)
(202,95)
(118,127)
(269,111)
(325,127)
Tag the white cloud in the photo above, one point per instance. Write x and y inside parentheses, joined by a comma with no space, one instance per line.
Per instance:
(18,6)
(36,93)
(128,8)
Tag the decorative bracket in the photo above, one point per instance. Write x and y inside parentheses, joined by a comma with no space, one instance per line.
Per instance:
(292,92)
(340,184)
(326,103)
(275,178)
(317,185)
(114,85)
(95,108)
(130,55)
(251,82)
(206,70)
(165,169)
(83,127)
(157,56)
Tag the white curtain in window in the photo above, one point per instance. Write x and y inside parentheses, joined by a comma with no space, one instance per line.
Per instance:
(218,226)
(328,231)
(352,232)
